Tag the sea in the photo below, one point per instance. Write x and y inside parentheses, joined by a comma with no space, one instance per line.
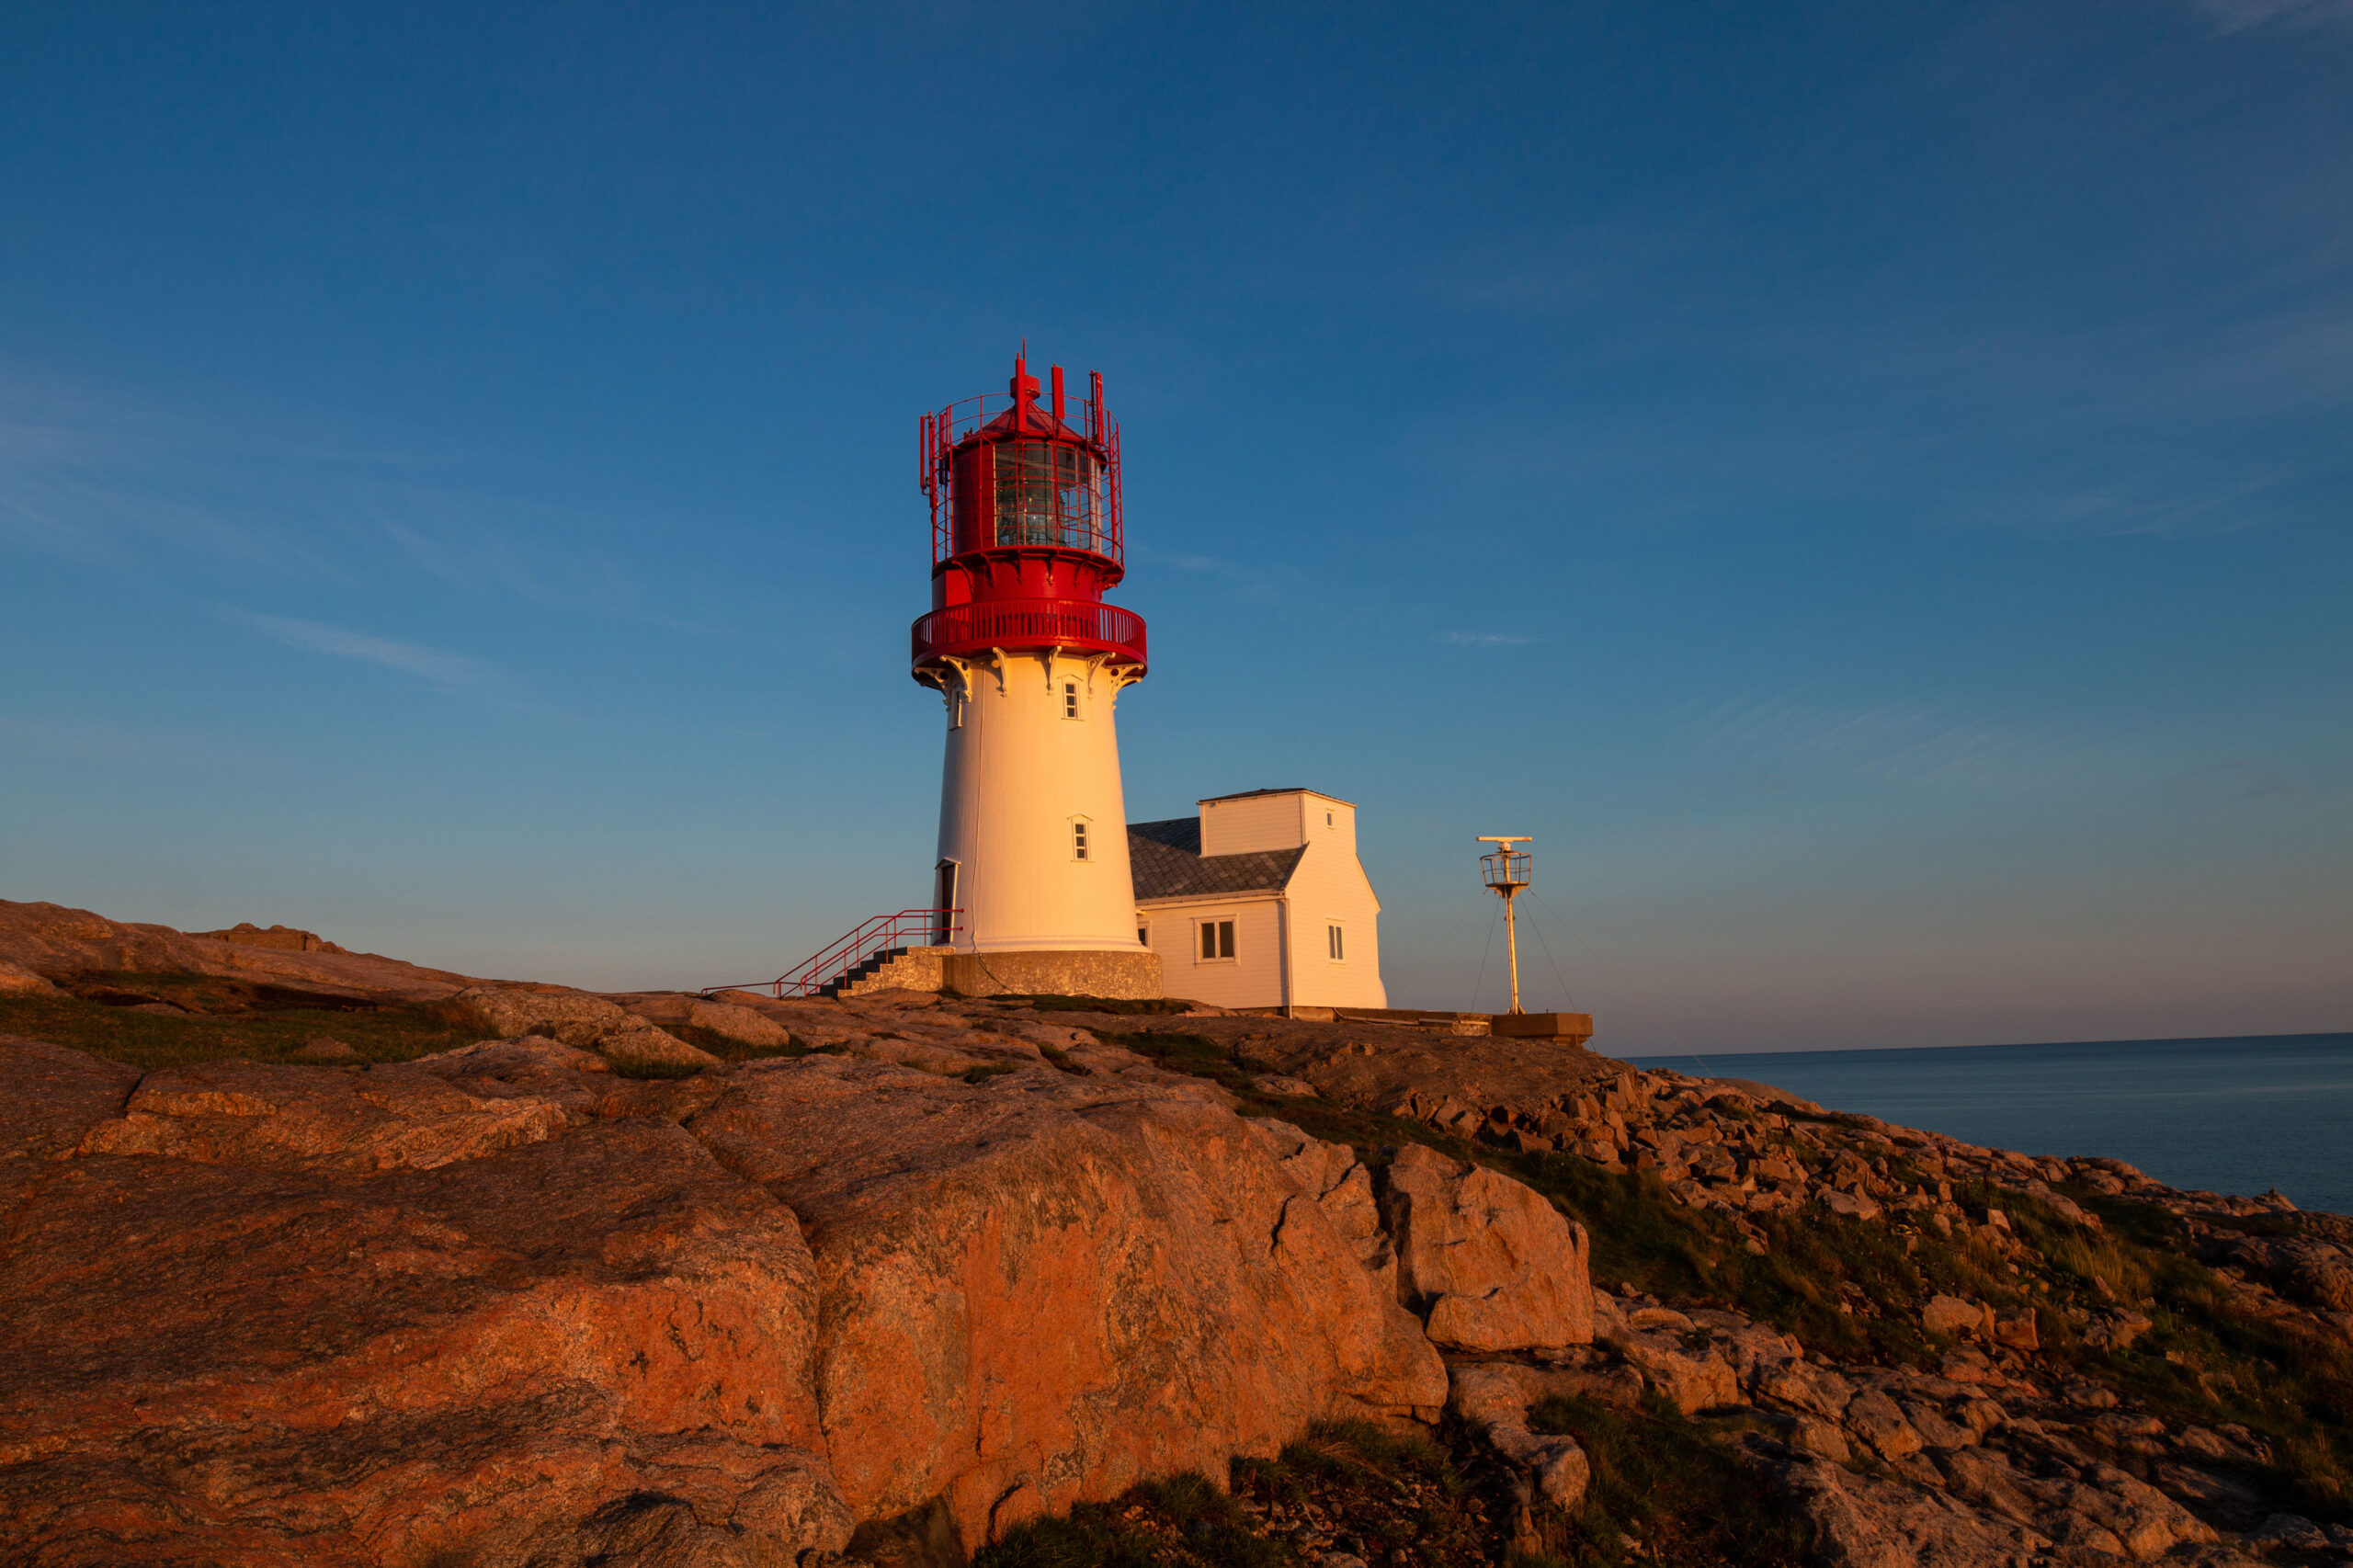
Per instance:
(2233,1115)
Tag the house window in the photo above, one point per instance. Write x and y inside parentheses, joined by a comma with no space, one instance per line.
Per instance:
(1070,699)
(1143,932)
(1337,944)
(1217,939)
(1078,841)
(1327,818)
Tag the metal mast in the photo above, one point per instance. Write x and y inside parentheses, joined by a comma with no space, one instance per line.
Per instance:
(1506,872)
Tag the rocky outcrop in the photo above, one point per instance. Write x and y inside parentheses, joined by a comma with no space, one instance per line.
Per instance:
(246,934)
(500,1304)
(51,940)
(1052,1287)
(1489,1264)
(585,1294)
(1495,1399)
(590,1023)
(261,1346)
(17,979)
(1341,1188)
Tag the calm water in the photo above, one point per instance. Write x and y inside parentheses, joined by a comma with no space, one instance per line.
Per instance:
(2228,1115)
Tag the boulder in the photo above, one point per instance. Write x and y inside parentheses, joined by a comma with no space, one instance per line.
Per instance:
(1862,1521)
(739,1024)
(1690,1379)
(590,1023)
(2288,1532)
(1877,1420)
(1493,1399)
(1490,1264)
(1803,1387)
(2017,1331)
(18,981)
(1044,1288)
(1851,1205)
(321,1049)
(1952,1314)
(1330,1174)
(2117,1329)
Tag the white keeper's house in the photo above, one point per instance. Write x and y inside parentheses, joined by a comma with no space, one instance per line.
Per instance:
(1260,902)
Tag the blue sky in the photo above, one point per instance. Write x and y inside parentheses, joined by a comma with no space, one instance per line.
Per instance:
(1866,486)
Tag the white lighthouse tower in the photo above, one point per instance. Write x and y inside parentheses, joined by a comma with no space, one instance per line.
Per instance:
(1033,841)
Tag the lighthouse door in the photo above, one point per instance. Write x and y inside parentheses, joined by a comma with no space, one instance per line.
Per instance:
(943,899)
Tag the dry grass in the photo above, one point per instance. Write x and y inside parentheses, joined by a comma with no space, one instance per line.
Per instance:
(226,1019)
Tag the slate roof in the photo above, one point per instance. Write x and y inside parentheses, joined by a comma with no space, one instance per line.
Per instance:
(1167,859)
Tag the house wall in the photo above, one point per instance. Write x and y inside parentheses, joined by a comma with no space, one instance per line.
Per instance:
(1331,889)
(1253,979)
(1254,822)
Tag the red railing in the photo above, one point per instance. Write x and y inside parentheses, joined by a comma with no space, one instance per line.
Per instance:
(908,929)
(1078,626)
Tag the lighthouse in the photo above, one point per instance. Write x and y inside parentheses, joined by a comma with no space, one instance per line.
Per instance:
(1032,875)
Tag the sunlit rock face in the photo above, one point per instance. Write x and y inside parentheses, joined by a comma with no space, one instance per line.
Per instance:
(485,1304)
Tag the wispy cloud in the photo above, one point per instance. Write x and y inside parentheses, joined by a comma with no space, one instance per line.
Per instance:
(1484,640)
(2234,16)
(2230,781)
(1898,743)
(317,637)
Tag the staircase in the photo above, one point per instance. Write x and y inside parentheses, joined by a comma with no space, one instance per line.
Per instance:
(889,968)
(879,955)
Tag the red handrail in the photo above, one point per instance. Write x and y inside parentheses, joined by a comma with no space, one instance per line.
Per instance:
(835,961)
(1081,626)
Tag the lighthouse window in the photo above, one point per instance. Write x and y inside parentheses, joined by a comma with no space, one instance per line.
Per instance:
(1070,699)
(1217,939)
(1078,841)
(1047,494)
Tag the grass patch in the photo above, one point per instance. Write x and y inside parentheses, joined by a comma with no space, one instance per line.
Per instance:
(2208,1361)
(1346,1486)
(1196,1055)
(1051,1002)
(226,1019)
(650,1071)
(1661,1480)
(1184,1519)
(984,1071)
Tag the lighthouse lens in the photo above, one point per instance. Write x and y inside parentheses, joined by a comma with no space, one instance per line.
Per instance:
(1048,494)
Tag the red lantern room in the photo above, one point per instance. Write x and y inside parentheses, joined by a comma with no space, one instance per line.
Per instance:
(1025,530)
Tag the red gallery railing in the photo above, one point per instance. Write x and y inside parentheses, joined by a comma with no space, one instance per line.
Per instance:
(1077,626)
(908,929)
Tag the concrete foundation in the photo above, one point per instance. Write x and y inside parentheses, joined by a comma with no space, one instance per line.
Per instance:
(1569,1028)
(1128,976)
